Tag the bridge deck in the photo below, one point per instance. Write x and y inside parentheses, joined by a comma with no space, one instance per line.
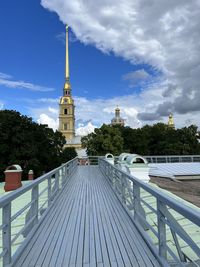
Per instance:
(87,226)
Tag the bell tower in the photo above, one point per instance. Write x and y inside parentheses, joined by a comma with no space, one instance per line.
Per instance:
(171,122)
(66,106)
(117,120)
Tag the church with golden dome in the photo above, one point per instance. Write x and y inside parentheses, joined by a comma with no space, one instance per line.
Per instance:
(117,120)
(171,121)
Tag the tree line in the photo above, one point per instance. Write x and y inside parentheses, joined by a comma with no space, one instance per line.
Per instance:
(31,145)
(158,139)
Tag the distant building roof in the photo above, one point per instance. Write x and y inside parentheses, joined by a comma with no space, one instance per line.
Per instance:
(75,141)
(81,153)
(175,170)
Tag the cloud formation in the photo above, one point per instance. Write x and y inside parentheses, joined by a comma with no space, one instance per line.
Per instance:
(162,34)
(1,106)
(46,119)
(7,80)
(85,129)
(137,77)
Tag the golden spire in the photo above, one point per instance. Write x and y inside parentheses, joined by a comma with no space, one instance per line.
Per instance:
(67,55)
(171,121)
(67,85)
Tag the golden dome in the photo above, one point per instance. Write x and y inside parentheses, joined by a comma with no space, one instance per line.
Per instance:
(67,86)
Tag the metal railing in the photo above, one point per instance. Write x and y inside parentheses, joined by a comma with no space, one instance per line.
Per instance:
(19,221)
(89,160)
(173,159)
(157,216)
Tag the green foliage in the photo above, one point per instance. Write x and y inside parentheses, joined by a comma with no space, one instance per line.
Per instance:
(106,139)
(68,154)
(158,139)
(28,144)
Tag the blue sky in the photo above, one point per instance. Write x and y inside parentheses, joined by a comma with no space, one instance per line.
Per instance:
(110,63)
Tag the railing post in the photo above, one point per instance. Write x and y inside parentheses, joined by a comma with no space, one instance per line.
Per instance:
(136,199)
(49,191)
(6,220)
(113,178)
(161,230)
(56,182)
(66,171)
(123,189)
(35,203)
(63,175)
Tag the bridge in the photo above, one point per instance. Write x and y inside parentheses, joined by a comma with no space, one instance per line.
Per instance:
(96,216)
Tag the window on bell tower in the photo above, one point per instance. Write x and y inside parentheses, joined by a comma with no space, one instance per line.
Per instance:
(67,92)
(65,126)
(65,111)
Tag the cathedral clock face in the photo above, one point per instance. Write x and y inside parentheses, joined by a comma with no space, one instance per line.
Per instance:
(65,100)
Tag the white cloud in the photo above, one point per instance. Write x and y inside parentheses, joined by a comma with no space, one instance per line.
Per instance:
(137,77)
(61,37)
(1,106)
(45,119)
(90,113)
(163,34)
(53,110)
(6,80)
(49,100)
(5,76)
(85,129)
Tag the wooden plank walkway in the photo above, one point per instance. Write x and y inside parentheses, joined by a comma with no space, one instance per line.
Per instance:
(87,227)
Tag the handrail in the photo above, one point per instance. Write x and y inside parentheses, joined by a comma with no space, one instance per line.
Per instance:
(172,158)
(12,195)
(130,189)
(34,210)
(89,160)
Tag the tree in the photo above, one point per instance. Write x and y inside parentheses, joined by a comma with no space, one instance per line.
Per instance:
(68,154)
(28,144)
(106,139)
(158,139)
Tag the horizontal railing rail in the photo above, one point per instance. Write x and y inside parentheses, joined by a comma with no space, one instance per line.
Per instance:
(158,218)
(173,158)
(23,209)
(89,160)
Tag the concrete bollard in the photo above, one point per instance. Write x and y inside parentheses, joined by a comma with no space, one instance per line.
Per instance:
(13,175)
(137,166)
(109,158)
(30,175)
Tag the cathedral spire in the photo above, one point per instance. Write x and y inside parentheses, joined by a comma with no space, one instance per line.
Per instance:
(67,86)
(67,55)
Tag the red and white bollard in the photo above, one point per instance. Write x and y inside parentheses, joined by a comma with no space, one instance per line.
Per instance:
(30,175)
